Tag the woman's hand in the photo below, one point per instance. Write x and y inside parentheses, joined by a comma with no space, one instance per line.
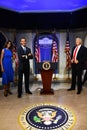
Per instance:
(2,69)
(72,61)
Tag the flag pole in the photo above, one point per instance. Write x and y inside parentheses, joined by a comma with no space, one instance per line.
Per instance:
(54,78)
(36,53)
(15,58)
(55,53)
(35,77)
(68,57)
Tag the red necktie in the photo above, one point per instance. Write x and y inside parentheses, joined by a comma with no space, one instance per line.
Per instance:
(74,54)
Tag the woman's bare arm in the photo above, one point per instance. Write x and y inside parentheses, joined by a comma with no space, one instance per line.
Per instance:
(2,55)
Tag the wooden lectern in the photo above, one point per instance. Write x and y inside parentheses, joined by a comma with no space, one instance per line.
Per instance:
(46,70)
(46,76)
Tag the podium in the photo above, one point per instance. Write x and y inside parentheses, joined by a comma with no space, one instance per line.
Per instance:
(46,70)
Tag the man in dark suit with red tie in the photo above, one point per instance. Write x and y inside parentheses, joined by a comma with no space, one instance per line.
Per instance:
(24,54)
(78,57)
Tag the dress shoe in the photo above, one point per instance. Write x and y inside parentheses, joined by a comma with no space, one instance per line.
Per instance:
(83,83)
(78,92)
(19,96)
(29,92)
(10,93)
(70,89)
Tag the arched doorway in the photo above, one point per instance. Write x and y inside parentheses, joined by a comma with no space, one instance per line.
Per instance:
(44,43)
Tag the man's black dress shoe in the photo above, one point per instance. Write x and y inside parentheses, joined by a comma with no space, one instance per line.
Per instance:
(19,96)
(78,92)
(29,92)
(10,93)
(70,89)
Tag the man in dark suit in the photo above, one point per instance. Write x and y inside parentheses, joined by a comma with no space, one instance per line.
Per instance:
(78,58)
(24,54)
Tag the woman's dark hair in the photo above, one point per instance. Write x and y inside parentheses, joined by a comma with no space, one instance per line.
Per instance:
(8,43)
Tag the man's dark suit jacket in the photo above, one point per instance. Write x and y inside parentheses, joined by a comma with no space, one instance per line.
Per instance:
(24,61)
(81,55)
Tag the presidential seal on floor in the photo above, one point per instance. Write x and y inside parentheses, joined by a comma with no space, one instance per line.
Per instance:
(47,117)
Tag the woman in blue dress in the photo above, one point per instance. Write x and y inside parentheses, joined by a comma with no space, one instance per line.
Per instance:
(6,67)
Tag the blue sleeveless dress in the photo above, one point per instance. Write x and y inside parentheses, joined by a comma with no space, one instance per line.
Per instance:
(8,74)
